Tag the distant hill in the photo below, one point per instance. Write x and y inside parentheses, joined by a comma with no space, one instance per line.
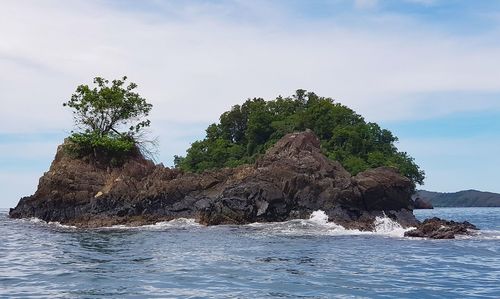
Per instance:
(466,198)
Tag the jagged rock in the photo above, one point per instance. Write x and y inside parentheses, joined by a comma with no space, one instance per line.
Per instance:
(294,178)
(291,180)
(436,228)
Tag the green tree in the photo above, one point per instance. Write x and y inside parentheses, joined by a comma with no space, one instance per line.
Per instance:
(110,119)
(105,108)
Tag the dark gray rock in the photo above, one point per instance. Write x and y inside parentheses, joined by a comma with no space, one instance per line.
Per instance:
(436,228)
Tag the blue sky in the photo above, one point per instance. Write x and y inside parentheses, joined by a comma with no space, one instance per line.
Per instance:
(426,69)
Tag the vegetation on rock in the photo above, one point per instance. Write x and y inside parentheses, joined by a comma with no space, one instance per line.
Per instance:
(113,148)
(110,118)
(246,131)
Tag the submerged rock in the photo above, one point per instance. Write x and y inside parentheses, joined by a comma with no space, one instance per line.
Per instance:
(290,181)
(436,228)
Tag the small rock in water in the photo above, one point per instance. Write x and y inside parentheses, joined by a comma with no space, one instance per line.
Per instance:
(436,228)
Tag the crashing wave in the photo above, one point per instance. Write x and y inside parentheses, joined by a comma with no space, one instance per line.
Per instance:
(318,224)
(388,227)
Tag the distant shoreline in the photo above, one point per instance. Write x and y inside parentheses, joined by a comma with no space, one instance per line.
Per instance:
(461,199)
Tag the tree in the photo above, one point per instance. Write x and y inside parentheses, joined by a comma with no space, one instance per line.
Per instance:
(105,108)
(110,119)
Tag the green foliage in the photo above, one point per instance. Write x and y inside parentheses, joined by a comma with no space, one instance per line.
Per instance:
(113,148)
(105,108)
(110,119)
(247,130)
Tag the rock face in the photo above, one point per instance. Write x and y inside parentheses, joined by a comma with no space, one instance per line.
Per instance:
(420,203)
(436,228)
(294,179)
(290,181)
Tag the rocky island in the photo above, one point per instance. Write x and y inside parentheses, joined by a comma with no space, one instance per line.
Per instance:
(262,163)
(290,181)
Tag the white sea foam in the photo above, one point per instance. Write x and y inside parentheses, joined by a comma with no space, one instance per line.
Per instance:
(319,217)
(35,220)
(179,223)
(58,224)
(388,227)
(50,223)
(383,226)
(318,224)
(482,235)
(176,223)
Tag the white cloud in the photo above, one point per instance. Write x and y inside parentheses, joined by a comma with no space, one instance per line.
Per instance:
(193,66)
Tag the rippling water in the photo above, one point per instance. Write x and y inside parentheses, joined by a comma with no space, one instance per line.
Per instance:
(303,258)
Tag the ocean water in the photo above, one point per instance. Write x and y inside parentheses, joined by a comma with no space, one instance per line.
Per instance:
(295,259)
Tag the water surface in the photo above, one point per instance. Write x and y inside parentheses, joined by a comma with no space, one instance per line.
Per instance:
(296,259)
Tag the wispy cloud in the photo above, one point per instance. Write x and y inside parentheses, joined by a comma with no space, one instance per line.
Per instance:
(193,65)
(195,59)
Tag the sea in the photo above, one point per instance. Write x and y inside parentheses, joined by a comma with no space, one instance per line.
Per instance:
(296,259)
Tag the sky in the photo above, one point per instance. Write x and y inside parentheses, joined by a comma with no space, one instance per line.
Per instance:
(428,70)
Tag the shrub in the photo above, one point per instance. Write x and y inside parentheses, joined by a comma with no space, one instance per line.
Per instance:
(112,148)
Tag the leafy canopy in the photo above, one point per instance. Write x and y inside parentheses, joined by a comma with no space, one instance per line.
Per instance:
(247,130)
(104,108)
(110,117)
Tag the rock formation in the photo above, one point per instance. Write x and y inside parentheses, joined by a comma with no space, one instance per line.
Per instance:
(436,228)
(421,203)
(290,181)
